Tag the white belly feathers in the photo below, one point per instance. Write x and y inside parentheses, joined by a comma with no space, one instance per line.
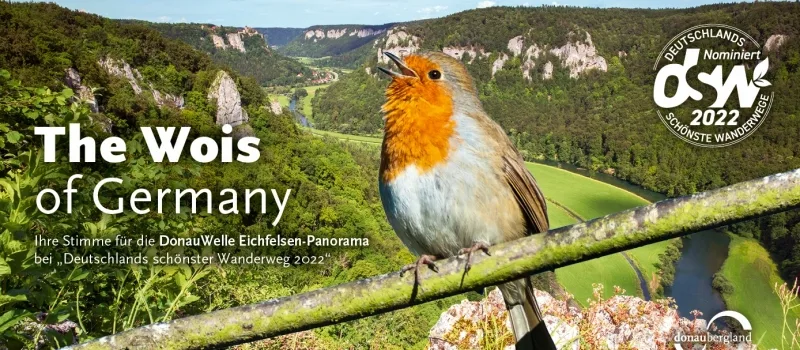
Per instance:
(451,206)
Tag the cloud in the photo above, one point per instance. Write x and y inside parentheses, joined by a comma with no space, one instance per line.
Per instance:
(432,9)
(163,19)
(428,11)
(486,3)
(555,3)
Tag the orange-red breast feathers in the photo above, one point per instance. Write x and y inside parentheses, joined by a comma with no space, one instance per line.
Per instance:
(419,120)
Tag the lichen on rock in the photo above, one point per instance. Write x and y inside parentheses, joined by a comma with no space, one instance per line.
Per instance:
(620,322)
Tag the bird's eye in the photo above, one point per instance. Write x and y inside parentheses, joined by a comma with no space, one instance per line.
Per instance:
(434,74)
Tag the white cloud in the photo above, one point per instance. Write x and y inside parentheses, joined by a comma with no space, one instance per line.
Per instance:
(555,3)
(432,9)
(486,3)
(163,19)
(428,11)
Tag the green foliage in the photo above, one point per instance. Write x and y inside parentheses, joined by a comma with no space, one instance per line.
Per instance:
(604,121)
(263,64)
(666,264)
(280,36)
(351,107)
(750,269)
(721,284)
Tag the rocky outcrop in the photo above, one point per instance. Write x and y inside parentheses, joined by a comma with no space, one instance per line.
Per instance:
(229,102)
(336,34)
(318,33)
(515,45)
(219,42)
(235,40)
(531,54)
(365,32)
(122,69)
(774,42)
(167,99)
(275,107)
(621,322)
(547,71)
(498,63)
(471,51)
(83,93)
(315,34)
(580,56)
(398,42)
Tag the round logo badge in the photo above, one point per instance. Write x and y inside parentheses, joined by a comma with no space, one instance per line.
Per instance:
(710,85)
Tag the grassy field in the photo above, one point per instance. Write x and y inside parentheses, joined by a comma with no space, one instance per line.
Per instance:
(282,99)
(306,101)
(588,198)
(752,273)
(345,137)
(646,258)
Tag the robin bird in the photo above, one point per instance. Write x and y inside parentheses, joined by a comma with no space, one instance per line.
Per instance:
(451,181)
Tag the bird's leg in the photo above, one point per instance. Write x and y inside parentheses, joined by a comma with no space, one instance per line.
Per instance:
(423,260)
(476,246)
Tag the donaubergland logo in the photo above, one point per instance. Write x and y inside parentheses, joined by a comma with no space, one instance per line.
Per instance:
(727,338)
(710,85)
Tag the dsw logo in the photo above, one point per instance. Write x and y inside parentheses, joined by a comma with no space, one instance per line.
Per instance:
(747,89)
(712,121)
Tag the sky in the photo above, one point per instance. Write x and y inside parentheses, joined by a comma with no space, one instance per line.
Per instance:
(305,13)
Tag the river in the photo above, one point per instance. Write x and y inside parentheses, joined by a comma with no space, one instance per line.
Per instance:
(297,115)
(702,256)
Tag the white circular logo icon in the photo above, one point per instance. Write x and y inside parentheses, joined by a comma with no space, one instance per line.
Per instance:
(710,85)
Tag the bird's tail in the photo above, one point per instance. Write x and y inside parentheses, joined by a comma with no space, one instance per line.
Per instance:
(530,330)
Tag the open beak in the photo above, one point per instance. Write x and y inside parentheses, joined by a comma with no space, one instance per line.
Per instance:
(404,70)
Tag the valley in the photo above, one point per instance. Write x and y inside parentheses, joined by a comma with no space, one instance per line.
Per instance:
(570,86)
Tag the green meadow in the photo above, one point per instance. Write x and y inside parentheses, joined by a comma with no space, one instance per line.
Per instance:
(753,274)
(305,102)
(589,198)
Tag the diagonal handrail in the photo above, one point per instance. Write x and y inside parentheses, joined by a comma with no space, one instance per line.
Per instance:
(560,247)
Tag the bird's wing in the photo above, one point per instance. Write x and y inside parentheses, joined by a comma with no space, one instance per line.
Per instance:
(529,196)
(527,192)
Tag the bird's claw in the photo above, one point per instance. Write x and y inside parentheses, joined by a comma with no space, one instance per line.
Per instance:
(423,260)
(482,246)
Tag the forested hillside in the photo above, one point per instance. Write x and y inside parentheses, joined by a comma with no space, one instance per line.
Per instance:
(332,40)
(280,36)
(43,305)
(603,117)
(244,50)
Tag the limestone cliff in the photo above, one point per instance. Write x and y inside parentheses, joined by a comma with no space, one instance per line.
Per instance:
(315,34)
(231,40)
(578,55)
(774,42)
(83,93)
(228,100)
(122,69)
(621,322)
(397,41)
